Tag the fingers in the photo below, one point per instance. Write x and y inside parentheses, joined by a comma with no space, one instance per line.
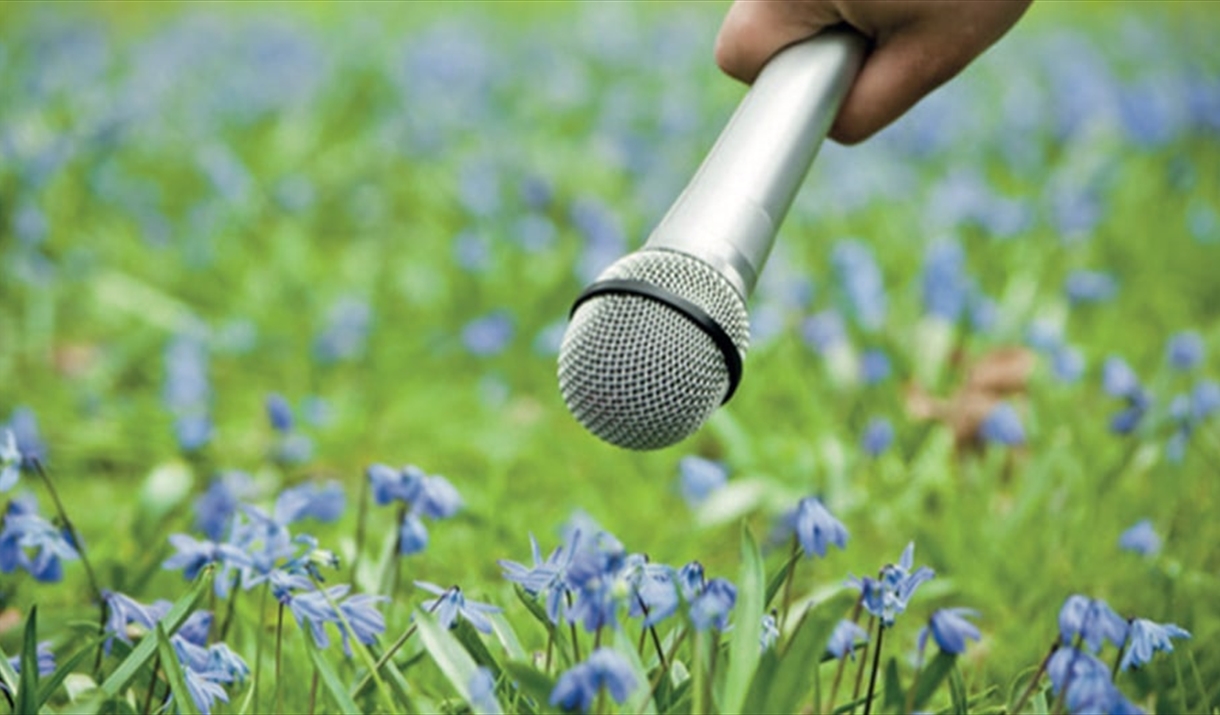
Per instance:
(754,30)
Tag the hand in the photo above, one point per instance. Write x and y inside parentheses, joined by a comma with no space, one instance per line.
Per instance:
(918,45)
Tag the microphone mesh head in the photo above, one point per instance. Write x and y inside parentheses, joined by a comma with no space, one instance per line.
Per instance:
(638,373)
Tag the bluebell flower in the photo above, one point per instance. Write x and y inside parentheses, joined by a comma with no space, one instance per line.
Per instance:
(1185,350)
(45,658)
(950,629)
(472,251)
(878,436)
(984,313)
(1141,538)
(437,498)
(1089,287)
(1002,425)
(279,412)
(843,640)
(360,612)
(1071,663)
(861,283)
(711,607)
(1205,400)
(214,509)
(412,535)
(1067,363)
(578,687)
(945,286)
(196,627)
(536,192)
(489,335)
(823,331)
(545,577)
(191,555)
(24,426)
(483,692)
(30,542)
(1091,620)
(699,477)
(451,604)
(654,592)
(1087,680)
(768,632)
(188,391)
(10,461)
(1118,379)
(312,610)
(816,529)
(691,580)
(346,331)
(123,611)
(204,692)
(1146,638)
(534,232)
(886,597)
(1128,419)
(324,503)
(874,366)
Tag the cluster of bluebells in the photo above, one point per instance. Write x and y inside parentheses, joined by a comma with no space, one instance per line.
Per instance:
(1046,337)
(292,446)
(188,391)
(887,596)
(1079,676)
(207,667)
(1120,381)
(420,495)
(1188,410)
(30,542)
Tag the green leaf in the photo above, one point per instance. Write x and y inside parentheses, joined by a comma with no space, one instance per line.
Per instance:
(142,653)
(330,679)
(66,668)
(474,645)
(780,681)
(744,651)
(640,701)
(777,579)
(27,690)
(183,701)
(7,674)
(930,678)
(957,690)
(453,660)
(507,637)
(531,682)
(891,701)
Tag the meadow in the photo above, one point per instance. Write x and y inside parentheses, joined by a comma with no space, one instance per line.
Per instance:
(281,292)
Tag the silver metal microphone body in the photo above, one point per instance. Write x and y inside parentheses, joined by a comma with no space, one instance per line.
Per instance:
(656,343)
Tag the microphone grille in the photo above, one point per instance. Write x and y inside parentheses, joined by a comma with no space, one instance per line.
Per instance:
(637,372)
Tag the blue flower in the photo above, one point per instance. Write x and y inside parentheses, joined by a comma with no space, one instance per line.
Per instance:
(823,331)
(24,426)
(1141,538)
(1070,662)
(346,331)
(950,629)
(279,413)
(768,632)
(188,391)
(30,542)
(452,603)
(361,613)
(816,528)
(1146,638)
(878,436)
(1118,379)
(123,611)
(204,691)
(546,577)
(710,608)
(945,286)
(412,535)
(489,335)
(886,597)
(1002,425)
(654,592)
(578,687)
(843,640)
(1091,620)
(10,461)
(483,692)
(699,477)
(861,282)
(196,627)
(1043,335)
(45,659)
(1185,350)
(691,580)
(312,609)
(1205,400)
(1067,363)
(1089,287)
(874,366)
(214,510)
(1088,683)
(324,503)
(191,555)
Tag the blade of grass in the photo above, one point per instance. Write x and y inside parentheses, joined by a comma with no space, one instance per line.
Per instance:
(142,653)
(27,690)
(52,683)
(931,677)
(183,701)
(744,650)
(7,674)
(453,660)
(330,678)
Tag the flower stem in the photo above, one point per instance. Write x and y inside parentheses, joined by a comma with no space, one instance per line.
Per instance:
(834,686)
(662,672)
(361,517)
(783,623)
(279,643)
(389,653)
(915,682)
(872,679)
(258,643)
(231,607)
(1033,683)
(855,692)
(152,684)
(572,630)
(313,691)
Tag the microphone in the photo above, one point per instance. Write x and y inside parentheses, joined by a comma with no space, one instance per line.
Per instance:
(657,342)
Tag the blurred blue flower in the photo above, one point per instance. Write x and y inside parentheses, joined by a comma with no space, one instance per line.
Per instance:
(886,597)
(536,192)
(123,611)
(188,392)
(10,461)
(345,332)
(1089,287)
(1125,421)
(479,188)
(215,508)
(710,607)
(360,612)
(699,477)
(548,340)
(489,335)
(1043,335)
(24,426)
(815,528)
(45,659)
(310,500)
(861,282)
(691,580)
(312,610)
(279,412)
(874,366)
(1002,425)
(844,639)
(30,224)
(1185,350)
(768,632)
(579,686)
(654,592)
(984,313)
(191,555)
(950,629)
(1205,400)
(1092,621)
(451,604)
(1118,379)
(204,691)
(1146,638)
(534,232)
(878,436)
(1141,538)
(823,331)
(32,543)
(1067,363)
(1152,109)
(483,692)
(196,628)
(472,252)
(945,286)
(1076,212)
(412,535)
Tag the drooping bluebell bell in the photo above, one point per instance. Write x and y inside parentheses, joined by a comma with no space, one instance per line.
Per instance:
(360,611)
(121,612)
(815,528)
(710,608)
(878,436)
(412,535)
(1119,380)
(886,597)
(1141,538)
(861,283)
(452,603)
(10,461)
(691,580)
(874,366)
(30,542)
(24,426)
(950,629)
(1117,377)
(699,477)
(1043,335)
(654,592)
(430,496)
(1146,638)
(1087,681)
(579,686)
(312,609)
(843,640)
(1089,287)
(1092,621)
(191,555)
(279,412)
(534,232)
(489,335)
(45,658)
(1185,350)
(1002,425)
(214,509)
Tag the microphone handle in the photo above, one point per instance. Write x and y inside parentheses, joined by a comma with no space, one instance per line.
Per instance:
(730,211)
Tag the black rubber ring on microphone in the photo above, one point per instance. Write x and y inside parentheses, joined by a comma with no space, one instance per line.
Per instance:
(692,312)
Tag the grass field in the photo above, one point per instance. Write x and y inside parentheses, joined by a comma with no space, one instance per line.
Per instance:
(381,215)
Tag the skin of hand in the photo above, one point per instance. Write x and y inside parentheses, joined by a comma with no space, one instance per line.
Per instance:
(917,45)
